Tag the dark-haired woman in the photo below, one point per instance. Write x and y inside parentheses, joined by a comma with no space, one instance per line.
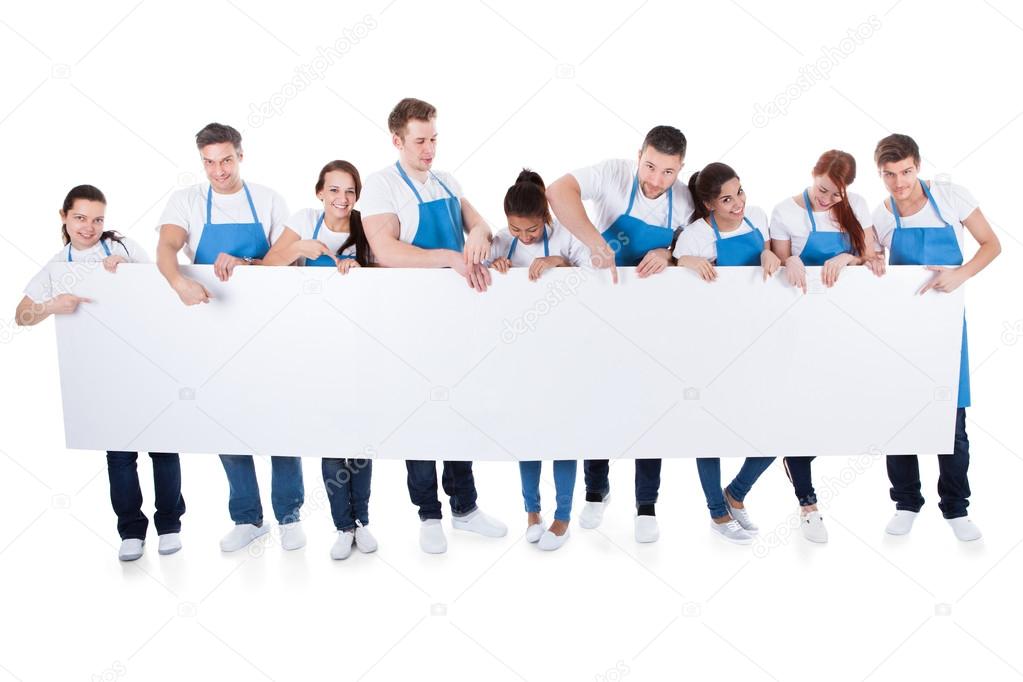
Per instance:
(329,235)
(724,232)
(533,240)
(332,236)
(86,240)
(830,227)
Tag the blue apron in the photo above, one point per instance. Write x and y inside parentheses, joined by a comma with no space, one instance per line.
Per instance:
(546,245)
(440,220)
(932,246)
(241,240)
(106,249)
(323,261)
(821,246)
(743,249)
(634,237)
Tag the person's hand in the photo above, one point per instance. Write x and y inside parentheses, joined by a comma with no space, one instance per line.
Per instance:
(541,265)
(346,264)
(876,264)
(701,266)
(833,266)
(224,266)
(945,280)
(770,263)
(603,256)
(311,249)
(501,265)
(110,262)
(795,272)
(65,304)
(477,246)
(477,275)
(191,292)
(653,262)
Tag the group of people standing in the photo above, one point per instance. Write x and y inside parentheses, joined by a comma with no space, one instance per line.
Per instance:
(644,216)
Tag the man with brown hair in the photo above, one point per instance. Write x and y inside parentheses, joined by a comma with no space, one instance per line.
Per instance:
(921,223)
(415,217)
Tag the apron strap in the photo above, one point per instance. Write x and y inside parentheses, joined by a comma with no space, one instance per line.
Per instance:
(408,181)
(319,224)
(809,211)
(209,204)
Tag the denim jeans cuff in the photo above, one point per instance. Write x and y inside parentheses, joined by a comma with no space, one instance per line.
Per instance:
(460,514)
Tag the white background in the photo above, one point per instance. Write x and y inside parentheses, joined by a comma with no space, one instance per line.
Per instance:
(112,95)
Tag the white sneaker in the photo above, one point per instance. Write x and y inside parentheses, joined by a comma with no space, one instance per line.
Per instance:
(901,523)
(342,548)
(647,529)
(431,537)
(813,527)
(478,522)
(732,531)
(965,529)
(593,513)
(364,540)
(550,542)
(241,535)
(741,516)
(131,549)
(535,531)
(170,543)
(292,536)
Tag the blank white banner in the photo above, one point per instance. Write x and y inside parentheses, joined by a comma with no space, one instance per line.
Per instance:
(413,364)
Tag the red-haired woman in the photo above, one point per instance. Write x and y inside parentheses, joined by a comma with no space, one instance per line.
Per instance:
(825,226)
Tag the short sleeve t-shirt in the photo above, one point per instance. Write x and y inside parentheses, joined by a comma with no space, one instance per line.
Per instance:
(698,239)
(385,191)
(790,222)
(560,242)
(186,208)
(955,203)
(43,287)
(303,223)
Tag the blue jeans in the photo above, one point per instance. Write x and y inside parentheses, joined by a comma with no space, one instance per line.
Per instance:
(798,471)
(286,490)
(709,469)
(126,494)
(564,482)
(457,480)
(648,479)
(347,484)
(953,484)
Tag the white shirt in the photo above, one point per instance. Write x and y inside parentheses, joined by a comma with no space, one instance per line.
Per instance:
(789,221)
(560,242)
(42,287)
(303,223)
(698,238)
(186,208)
(609,184)
(385,191)
(954,201)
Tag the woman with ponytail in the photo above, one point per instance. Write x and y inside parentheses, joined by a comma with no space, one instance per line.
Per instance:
(825,226)
(331,235)
(534,240)
(86,241)
(724,232)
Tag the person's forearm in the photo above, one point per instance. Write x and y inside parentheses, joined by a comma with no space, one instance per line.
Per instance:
(167,263)
(398,254)
(987,252)
(30,313)
(567,205)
